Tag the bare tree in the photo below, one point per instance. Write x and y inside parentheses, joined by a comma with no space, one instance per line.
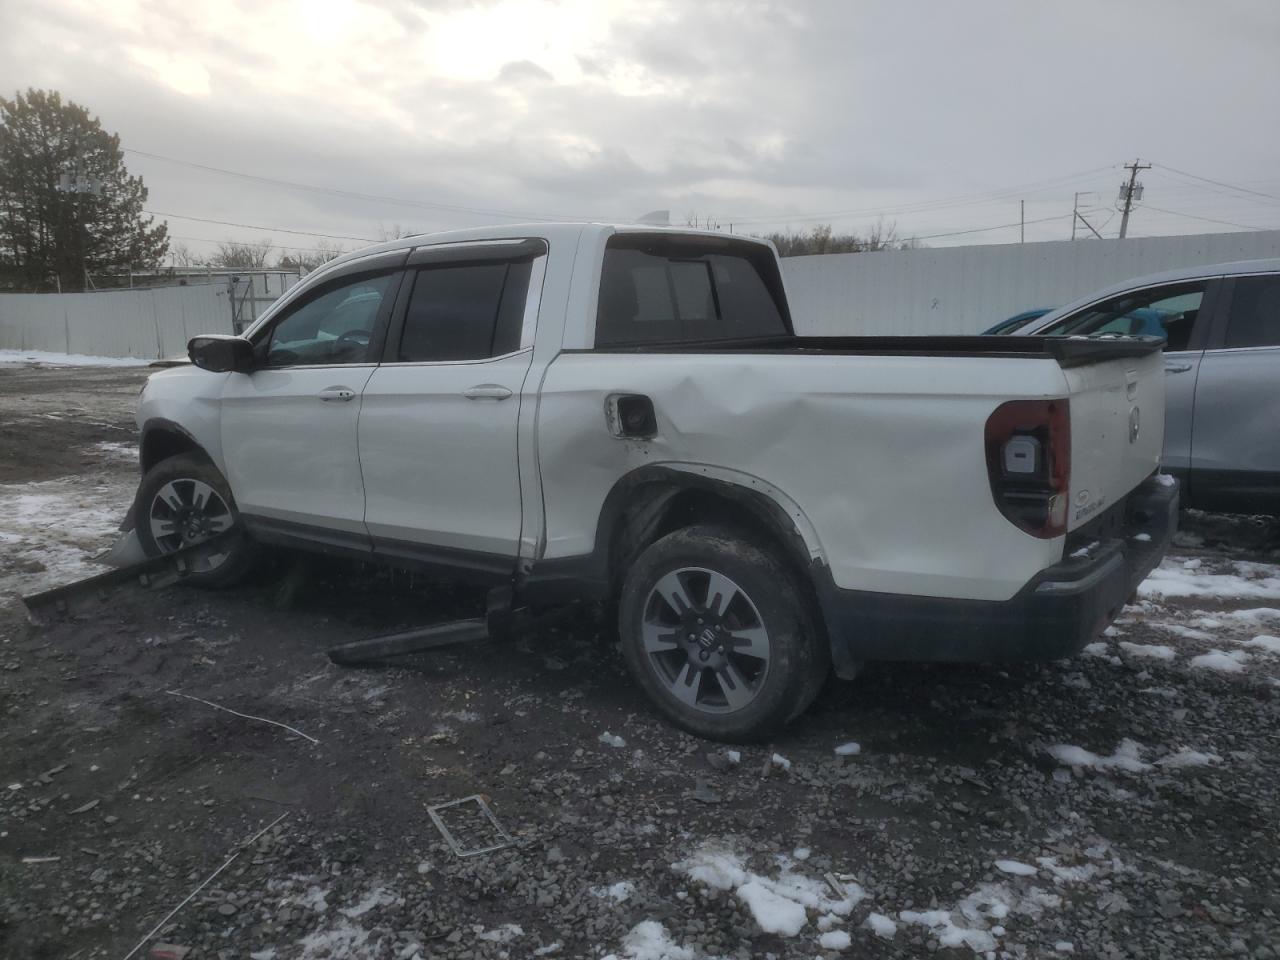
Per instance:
(184,257)
(822,239)
(243,256)
(307,259)
(394,232)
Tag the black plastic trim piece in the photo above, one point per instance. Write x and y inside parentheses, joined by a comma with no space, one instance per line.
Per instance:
(479,252)
(450,563)
(1235,491)
(1053,616)
(1067,351)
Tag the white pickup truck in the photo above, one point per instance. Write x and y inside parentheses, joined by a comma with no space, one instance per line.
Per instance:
(625,414)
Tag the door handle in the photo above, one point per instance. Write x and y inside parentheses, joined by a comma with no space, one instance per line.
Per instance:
(487,391)
(1177,367)
(336,393)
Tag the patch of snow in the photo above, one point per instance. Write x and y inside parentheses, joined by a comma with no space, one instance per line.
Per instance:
(1178,630)
(780,761)
(611,740)
(1143,537)
(504,933)
(548,949)
(849,749)
(1260,581)
(1165,480)
(1113,632)
(778,905)
(948,933)
(462,716)
(1064,946)
(1265,643)
(1016,868)
(313,899)
(345,940)
(377,897)
(49,358)
(1154,651)
(881,926)
(801,853)
(1128,757)
(734,756)
(618,892)
(1224,661)
(835,940)
(649,940)
(1188,758)
(267,954)
(1096,649)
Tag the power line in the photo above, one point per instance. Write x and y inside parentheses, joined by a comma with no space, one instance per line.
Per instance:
(926,205)
(1229,186)
(334,191)
(1002,226)
(251,226)
(1192,216)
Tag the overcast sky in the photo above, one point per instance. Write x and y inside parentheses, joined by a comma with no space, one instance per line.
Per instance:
(937,117)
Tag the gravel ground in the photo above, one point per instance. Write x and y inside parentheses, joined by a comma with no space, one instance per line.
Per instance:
(1120,804)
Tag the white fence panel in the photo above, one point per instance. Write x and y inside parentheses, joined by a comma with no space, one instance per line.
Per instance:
(147,324)
(957,290)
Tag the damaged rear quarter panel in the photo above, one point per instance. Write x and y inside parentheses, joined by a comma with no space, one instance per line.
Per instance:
(883,455)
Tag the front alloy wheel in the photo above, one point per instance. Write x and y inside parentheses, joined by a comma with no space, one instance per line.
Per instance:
(188,511)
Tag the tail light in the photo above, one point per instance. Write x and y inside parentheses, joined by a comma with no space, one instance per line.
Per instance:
(1028,446)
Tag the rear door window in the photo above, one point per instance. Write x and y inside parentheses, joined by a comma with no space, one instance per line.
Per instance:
(670,290)
(1254,319)
(464,312)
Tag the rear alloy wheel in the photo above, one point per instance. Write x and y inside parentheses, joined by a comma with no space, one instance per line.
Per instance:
(715,630)
(184,501)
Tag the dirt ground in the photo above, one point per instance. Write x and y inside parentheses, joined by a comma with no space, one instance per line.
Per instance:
(1119,804)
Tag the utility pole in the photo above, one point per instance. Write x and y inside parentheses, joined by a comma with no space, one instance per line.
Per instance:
(1075,212)
(1022,221)
(1130,192)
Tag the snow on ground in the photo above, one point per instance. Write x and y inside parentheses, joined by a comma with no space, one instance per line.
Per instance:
(1188,758)
(779,905)
(881,926)
(1226,661)
(1016,868)
(618,892)
(611,739)
(1155,651)
(50,530)
(649,940)
(975,922)
(850,749)
(1173,579)
(1265,643)
(834,940)
(51,359)
(1128,757)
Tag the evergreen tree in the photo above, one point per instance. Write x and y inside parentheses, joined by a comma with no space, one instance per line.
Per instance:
(68,206)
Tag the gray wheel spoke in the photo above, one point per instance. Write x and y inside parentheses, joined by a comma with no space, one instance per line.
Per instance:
(658,639)
(720,593)
(673,591)
(219,524)
(734,686)
(751,641)
(685,686)
(202,495)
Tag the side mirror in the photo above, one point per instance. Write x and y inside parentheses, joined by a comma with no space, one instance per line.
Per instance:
(221,353)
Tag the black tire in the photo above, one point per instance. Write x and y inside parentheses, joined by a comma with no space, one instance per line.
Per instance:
(695,673)
(186,471)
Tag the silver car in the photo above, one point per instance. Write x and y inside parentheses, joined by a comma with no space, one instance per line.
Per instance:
(1221,324)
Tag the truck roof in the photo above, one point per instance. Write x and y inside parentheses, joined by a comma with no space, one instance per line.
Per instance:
(549,231)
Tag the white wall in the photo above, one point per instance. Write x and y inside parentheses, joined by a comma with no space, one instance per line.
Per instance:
(957,290)
(148,324)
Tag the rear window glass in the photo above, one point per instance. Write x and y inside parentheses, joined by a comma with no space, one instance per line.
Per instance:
(671,290)
(1254,320)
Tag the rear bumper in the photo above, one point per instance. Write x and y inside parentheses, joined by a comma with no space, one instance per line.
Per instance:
(1056,614)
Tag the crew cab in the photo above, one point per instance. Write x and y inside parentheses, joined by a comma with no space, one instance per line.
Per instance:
(626,414)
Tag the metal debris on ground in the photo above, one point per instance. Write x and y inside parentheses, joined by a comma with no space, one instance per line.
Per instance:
(203,883)
(41,859)
(472,828)
(246,716)
(168,951)
(837,881)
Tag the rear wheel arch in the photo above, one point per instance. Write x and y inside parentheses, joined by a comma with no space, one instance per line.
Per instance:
(649,503)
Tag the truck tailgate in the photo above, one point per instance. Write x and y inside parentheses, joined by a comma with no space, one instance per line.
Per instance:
(1117,430)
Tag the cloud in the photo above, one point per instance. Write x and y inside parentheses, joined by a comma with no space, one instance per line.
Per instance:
(519,71)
